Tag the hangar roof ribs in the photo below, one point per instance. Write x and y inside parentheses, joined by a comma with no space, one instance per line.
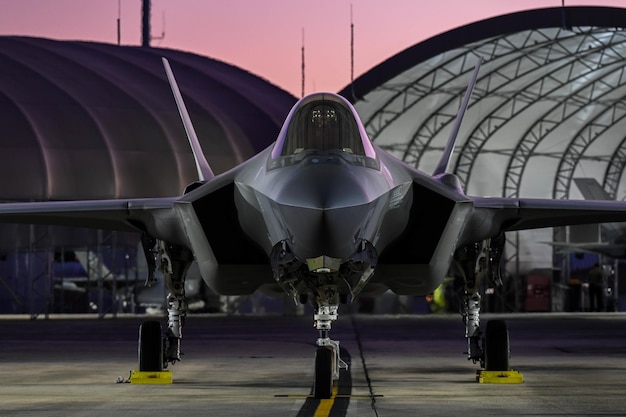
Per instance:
(548,105)
(92,120)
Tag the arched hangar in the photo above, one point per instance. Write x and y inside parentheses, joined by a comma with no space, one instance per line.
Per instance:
(549,106)
(85,120)
(94,120)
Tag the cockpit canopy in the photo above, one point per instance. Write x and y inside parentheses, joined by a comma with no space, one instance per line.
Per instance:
(321,123)
(323,126)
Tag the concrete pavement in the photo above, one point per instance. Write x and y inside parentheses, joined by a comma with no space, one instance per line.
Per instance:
(573,364)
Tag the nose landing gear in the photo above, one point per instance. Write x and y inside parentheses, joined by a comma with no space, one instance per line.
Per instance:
(327,359)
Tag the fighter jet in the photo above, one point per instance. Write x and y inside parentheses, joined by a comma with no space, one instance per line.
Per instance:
(324,215)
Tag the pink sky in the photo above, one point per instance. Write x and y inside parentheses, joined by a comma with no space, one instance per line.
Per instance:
(265,36)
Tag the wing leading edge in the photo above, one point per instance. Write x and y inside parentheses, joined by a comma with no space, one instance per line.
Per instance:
(494,215)
(155,216)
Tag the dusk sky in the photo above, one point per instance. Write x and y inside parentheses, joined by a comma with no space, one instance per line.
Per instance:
(265,36)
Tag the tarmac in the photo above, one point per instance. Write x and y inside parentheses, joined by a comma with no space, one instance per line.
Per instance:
(573,364)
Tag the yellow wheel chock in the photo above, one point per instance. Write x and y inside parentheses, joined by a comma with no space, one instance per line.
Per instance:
(499,377)
(149,377)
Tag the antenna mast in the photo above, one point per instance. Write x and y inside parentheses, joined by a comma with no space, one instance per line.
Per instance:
(302,95)
(351,55)
(146,36)
(145,23)
(119,18)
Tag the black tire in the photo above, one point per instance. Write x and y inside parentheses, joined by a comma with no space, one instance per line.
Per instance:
(497,349)
(150,347)
(323,386)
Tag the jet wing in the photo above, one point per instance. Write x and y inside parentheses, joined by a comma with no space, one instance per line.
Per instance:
(510,214)
(592,190)
(156,216)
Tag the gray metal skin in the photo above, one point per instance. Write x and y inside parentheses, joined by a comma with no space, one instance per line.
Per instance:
(320,205)
(321,224)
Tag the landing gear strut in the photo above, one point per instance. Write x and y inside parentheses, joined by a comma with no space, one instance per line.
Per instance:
(327,359)
(478,261)
(174,262)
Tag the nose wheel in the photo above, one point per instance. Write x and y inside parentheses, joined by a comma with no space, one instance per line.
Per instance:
(323,386)
(327,359)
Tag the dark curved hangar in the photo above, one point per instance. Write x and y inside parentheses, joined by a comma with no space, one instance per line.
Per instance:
(85,120)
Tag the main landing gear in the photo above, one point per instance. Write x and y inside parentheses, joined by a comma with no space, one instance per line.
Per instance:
(151,362)
(155,352)
(496,346)
(491,350)
(150,350)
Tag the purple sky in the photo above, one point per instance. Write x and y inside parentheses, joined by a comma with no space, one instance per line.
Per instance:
(265,36)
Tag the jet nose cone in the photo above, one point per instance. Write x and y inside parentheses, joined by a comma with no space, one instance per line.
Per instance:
(329,232)
(324,211)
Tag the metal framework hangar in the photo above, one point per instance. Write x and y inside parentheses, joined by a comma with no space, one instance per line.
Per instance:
(548,107)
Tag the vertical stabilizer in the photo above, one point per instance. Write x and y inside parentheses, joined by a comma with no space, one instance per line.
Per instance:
(447,152)
(202,165)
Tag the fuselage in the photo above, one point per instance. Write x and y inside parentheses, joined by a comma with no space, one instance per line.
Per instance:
(323,204)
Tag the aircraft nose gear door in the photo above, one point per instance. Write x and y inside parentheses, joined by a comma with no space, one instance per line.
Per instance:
(327,359)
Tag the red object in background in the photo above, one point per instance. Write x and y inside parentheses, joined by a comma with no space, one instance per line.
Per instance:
(537,293)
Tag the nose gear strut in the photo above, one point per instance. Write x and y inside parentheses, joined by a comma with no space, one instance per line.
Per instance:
(324,317)
(327,359)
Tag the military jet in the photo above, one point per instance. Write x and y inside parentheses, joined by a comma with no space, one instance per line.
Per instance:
(324,215)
